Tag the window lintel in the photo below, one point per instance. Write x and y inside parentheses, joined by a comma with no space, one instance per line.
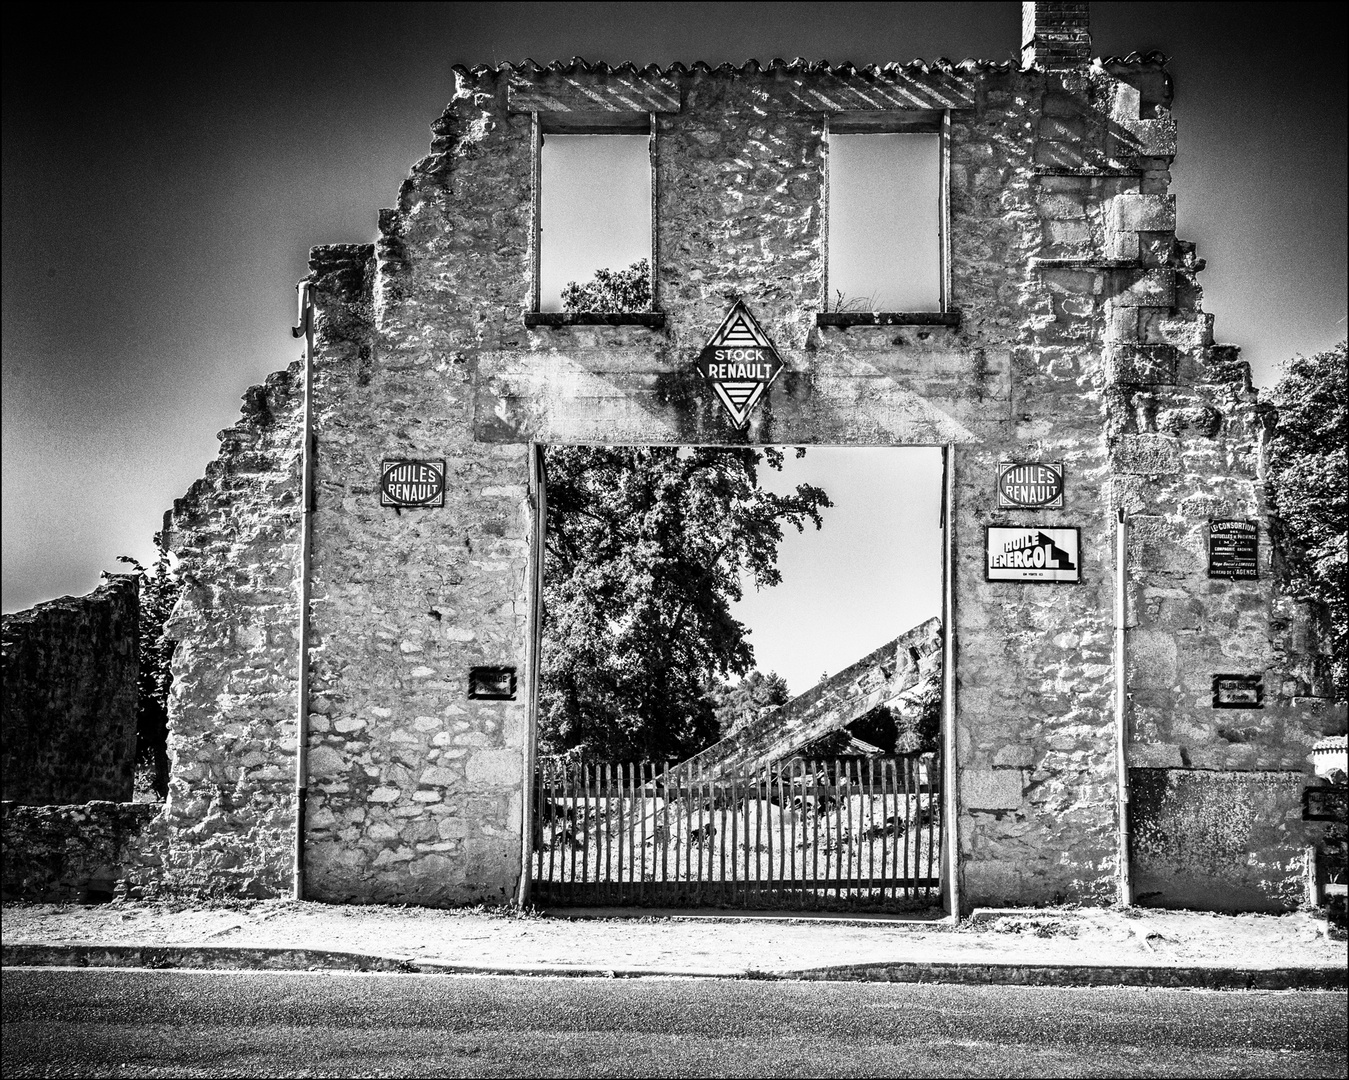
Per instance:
(885,121)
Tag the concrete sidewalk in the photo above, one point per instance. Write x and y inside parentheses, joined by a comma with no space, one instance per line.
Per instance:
(1060,946)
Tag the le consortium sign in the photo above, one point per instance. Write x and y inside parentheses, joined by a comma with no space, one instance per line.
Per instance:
(740,363)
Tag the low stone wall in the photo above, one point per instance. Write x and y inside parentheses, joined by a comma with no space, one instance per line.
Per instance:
(1218,841)
(69,717)
(78,852)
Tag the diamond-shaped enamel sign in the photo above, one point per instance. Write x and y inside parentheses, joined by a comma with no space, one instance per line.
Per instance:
(740,363)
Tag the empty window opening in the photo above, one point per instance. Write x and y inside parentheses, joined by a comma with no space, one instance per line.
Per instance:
(594,210)
(885,222)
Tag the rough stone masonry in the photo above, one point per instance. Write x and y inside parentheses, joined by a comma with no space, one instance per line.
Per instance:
(1072,330)
(69,717)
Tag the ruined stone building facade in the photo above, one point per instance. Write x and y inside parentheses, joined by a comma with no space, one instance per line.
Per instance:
(1070,328)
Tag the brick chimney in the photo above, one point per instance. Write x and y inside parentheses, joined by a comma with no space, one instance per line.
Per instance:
(1055,36)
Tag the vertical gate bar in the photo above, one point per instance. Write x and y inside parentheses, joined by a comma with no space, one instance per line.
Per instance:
(789,866)
(791,789)
(625,832)
(903,765)
(552,824)
(665,826)
(760,842)
(538,815)
(639,807)
(838,832)
(569,816)
(869,805)
(606,799)
(582,781)
(628,805)
(712,834)
(930,829)
(933,809)
(701,830)
(821,809)
(735,837)
(655,851)
(687,840)
(593,835)
(813,771)
(633,792)
(851,833)
(709,835)
(742,782)
(886,783)
(721,836)
(577,832)
(696,786)
(696,805)
(622,797)
(702,838)
(582,833)
(776,780)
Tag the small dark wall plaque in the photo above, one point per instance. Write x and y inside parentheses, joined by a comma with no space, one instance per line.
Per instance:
(1238,692)
(492,683)
(412,483)
(1233,550)
(1326,804)
(1030,485)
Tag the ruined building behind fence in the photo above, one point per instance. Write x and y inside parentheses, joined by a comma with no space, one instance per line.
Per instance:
(1067,326)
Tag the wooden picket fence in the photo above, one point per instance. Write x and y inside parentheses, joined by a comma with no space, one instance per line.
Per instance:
(853,833)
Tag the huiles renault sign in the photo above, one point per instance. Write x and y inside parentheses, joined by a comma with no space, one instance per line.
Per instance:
(412,483)
(1030,485)
(740,363)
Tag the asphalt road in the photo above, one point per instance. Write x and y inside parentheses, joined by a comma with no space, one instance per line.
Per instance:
(70,1022)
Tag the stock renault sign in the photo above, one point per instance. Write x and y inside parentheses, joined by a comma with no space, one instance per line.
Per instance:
(740,363)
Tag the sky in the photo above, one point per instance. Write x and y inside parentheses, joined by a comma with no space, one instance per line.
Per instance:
(870,572)
(595,208)
(166,170)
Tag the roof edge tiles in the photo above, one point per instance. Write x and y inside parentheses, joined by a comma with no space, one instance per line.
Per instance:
(577,65)
(798,66)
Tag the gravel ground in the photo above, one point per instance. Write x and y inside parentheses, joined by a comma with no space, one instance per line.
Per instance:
(709,942)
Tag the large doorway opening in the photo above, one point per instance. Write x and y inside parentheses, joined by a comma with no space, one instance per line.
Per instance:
(740,693)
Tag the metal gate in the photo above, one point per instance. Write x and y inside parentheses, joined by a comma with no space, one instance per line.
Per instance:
(854,833)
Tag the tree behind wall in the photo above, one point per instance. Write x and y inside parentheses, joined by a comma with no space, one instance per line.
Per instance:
(159,592)
(1309,489)
(611,290)
(645,548)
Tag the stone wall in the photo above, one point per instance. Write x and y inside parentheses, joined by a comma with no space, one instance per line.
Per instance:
(1218,841)
(65,853)
(69,727)
(228,824)
(1075,332)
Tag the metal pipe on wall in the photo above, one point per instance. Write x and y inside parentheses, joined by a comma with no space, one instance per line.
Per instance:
(1125,883)
(304,328)
(950,801)
(538,488)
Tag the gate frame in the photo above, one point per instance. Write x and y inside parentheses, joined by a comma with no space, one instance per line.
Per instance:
(538,502)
